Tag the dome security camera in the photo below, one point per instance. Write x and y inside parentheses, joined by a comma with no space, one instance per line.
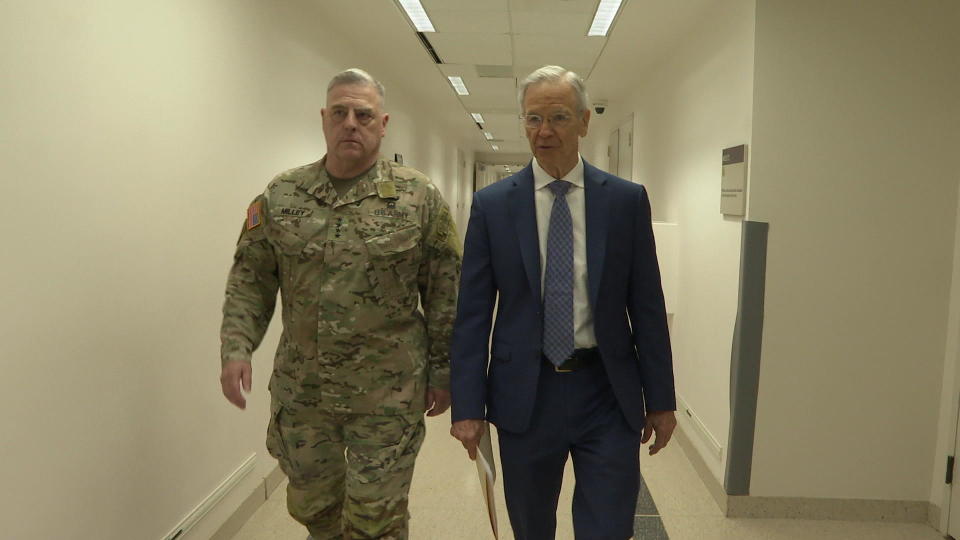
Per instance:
(599,106)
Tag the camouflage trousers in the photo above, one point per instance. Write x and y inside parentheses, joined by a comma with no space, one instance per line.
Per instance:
(349,473)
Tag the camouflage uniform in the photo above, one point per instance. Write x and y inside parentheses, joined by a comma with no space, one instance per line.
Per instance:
(356,353)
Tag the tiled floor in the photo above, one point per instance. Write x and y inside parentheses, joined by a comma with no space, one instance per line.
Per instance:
(446,504)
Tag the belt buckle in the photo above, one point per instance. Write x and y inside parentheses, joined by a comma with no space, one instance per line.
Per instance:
(559,369)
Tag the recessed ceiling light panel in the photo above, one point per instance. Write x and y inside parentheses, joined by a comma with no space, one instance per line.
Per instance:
(606,12)
(458,85)
(477,118)
(418,15)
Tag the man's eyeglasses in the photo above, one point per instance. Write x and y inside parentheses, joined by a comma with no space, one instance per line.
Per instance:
(557,120)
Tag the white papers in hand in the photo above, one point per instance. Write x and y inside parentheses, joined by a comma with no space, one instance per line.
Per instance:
(487,471)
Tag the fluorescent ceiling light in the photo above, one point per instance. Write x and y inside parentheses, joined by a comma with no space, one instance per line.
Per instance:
(495,147)
(488,135)
(606,12)
(418,15)
(477,118)
(458,85)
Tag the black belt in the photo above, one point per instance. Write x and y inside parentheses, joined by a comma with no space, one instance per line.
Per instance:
(580,359)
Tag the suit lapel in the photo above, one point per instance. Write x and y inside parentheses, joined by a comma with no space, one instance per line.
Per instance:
(523,214)
(597,206)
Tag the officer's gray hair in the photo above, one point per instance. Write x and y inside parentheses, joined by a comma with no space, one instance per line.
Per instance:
(556,74)
(357,76)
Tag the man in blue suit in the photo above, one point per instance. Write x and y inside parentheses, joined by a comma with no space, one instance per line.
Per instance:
(580,362)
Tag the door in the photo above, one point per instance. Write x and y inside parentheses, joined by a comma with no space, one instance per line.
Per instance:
(613,152)
(624,167)
(953,518)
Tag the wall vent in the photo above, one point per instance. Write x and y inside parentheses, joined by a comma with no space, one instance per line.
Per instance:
(495,72)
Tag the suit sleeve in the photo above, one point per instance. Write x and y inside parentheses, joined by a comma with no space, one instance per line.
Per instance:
(437,280)
(648,315)
(471,331)
(251,292)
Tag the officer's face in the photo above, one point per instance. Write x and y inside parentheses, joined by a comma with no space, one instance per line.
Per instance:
(555,139)
(353,124)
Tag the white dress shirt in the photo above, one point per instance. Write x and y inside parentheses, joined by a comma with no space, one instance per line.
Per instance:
(583,336)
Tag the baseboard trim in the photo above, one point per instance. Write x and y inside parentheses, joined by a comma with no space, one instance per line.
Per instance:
(272,481)
(700,465)
(702,432)
(250,505)
(213,499)
(933,516)
(748,506)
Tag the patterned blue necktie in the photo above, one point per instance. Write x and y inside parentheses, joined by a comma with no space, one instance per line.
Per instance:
(558,279)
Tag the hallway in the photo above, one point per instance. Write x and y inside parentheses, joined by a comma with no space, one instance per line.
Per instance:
(136,134)
(445,505)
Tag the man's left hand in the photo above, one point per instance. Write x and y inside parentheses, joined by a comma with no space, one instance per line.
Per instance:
(662,423)
(437,401)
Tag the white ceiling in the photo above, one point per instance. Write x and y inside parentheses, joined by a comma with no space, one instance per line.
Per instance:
(510,37)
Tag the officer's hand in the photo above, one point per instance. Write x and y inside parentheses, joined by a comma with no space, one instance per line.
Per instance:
(662,423)
(468,432)
(437,401)
(232,375)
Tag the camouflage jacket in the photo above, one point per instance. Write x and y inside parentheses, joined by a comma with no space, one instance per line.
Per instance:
(351,271)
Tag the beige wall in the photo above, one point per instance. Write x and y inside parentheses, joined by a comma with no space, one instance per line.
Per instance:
(949,391)
(134,134)
(696,102)
(855,137)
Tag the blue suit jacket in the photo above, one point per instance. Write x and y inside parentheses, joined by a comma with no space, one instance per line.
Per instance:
(501,263)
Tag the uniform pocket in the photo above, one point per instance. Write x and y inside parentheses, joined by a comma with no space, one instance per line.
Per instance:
(394,243)
(286,242)
(393,261)
(276,446)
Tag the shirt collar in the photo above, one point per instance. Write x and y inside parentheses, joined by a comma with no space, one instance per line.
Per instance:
(541,177)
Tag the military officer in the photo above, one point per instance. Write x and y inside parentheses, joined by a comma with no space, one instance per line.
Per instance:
(355,244)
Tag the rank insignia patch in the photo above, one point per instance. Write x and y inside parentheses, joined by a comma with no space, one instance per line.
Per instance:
(387,190)
(255,215)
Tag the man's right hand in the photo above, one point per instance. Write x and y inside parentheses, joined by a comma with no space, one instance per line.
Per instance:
(468,432)
(234,374)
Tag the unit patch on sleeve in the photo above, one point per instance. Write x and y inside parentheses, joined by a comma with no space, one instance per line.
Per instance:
(255,215)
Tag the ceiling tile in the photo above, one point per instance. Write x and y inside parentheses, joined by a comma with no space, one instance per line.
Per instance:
(460,70)
(464,5)
(549,23)
(486,94)
(555,6)
(504,126)
(542,50)
(470,48)
(452,21)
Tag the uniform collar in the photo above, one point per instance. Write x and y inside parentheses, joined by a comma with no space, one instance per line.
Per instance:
(378,181)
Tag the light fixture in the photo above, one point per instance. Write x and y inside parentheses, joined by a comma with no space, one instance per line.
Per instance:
(477,118)
(606,12)
(495,147)
(418,15)
(458,85)
(488,135)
